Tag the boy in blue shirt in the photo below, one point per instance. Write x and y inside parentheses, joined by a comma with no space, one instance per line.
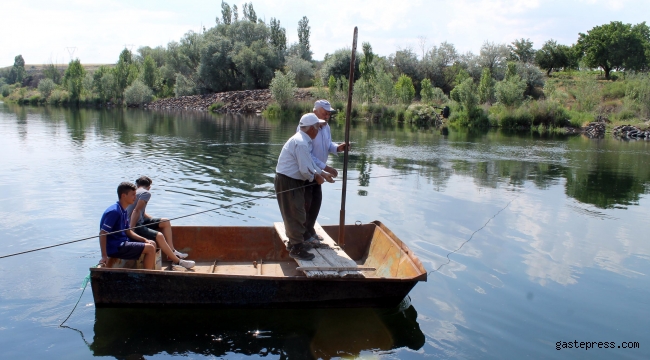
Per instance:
(115,240)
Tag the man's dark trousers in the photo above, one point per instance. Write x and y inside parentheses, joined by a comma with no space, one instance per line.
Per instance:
(313,201)
(291,199)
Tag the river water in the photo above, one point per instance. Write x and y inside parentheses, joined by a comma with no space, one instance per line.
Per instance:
(562,251)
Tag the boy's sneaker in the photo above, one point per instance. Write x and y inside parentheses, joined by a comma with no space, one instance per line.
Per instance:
(299,252)
(179,254)
(188,264)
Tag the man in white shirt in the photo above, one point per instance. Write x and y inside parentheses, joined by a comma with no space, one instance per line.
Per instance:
(322,147)
(295,166)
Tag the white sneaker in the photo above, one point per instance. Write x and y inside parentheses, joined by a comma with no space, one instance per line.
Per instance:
(188,264)
(179,254)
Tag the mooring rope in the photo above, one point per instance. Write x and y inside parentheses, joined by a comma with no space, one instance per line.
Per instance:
(477,230)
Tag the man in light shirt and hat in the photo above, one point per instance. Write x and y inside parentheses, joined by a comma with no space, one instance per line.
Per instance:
(322,147)
(295,167)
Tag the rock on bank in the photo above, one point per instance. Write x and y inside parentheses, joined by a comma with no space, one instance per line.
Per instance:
(245,101)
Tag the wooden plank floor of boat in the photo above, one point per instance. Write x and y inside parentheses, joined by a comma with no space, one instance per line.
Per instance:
(330,256)
(273,268)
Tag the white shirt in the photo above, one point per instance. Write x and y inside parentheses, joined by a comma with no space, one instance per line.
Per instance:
(322,146)
(295,160)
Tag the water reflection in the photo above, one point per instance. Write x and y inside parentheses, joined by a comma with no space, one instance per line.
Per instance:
(299,334)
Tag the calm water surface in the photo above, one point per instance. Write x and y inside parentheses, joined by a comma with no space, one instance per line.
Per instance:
(565,255)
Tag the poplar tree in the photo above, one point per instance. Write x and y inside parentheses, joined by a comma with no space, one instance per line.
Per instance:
(303,38)
(226,13)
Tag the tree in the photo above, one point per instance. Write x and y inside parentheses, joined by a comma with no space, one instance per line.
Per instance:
(124,71)
(283,87)
(522,50)
(149,72)
(45,87)
(552,56)
(404,89)
(510,91)
(303,36)
(249,13)
(235,14)
(616,46)
(53,73)
(494,57)
(137,93)
(367,70)
(73,79)
(226,14)
(426,91)
(278,35)
(302,69)
(338,64)
(486,87)
(17,73)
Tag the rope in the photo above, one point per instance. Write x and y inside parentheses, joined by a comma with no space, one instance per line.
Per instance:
(176,218)
(84,285)
(471,236)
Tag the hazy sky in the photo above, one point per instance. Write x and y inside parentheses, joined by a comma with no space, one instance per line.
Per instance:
(99,29)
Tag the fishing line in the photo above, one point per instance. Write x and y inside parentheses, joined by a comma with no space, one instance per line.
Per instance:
(176,218)
(471,236)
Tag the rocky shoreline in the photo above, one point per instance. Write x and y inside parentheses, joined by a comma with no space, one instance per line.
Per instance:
(238,102)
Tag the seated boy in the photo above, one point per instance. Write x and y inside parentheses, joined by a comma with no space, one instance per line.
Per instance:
(115,240)
(157,229)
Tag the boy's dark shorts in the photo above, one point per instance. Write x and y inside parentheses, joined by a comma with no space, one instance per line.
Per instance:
(150,228)
(129,250)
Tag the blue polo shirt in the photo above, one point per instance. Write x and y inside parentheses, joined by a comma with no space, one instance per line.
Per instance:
(114,219)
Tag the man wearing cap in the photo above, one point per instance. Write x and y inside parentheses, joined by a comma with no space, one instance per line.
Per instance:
(322,147)
(295,166)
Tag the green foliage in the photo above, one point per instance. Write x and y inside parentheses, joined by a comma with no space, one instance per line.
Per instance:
(404,89)
(214,107)
(368,72)
(338,64)
(105,84)
(543,113)
(5,90)
(283,87)
(486,87)
(249,13)
(587,93)
(616,46)
(385,88)
(510,91)
(46,86)
(149,72)
(303,70)
(331,86)
(73,80)
(522,51)
(137,93)
(553,56)
(638,93)
(278,35)
(53,73)
(303,37)
(226,14)
(184,86)
(59,97)
(426,91)
(465,111)
(17,72)
(420,114)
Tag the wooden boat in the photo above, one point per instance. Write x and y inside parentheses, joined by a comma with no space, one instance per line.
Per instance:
(250,267)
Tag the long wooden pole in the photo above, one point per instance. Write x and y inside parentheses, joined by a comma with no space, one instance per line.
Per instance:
(347,139)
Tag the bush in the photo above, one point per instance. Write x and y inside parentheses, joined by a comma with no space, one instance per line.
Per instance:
(420,114)
(59,96)
(137,93)
(214,107)
(637,92)
(587,93)
(283,87)
(34,99)
(184,86)
(302,69)
(404,89)
(5,90)
(46,86)
(614,90)
(510,92)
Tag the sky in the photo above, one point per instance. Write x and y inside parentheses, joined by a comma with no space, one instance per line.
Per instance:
(95,31)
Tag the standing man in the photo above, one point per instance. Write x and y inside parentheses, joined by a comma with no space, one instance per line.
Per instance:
(295,166)
(323,146)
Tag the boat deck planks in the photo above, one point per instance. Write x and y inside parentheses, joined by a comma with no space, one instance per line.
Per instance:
(273,268)
(330,256)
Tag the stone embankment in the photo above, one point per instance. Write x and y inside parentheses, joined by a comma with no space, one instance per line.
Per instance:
(245,101)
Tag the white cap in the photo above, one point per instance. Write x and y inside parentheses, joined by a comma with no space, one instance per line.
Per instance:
(310,119)
(323,104)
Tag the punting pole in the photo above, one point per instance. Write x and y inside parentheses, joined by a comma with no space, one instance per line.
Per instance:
(347,139)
